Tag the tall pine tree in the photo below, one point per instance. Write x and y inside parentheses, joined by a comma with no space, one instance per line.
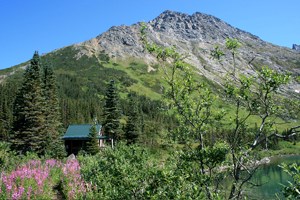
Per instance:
(132,128)
(53,124)
(112,112)
(7,96)
(92,146)
(28,131)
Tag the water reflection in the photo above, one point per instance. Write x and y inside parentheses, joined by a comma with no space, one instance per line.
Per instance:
(270,178)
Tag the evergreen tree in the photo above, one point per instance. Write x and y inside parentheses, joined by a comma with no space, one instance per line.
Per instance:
(92,146)
(112,112)
(55,146)
(28,129)
(132,129)
(7,95)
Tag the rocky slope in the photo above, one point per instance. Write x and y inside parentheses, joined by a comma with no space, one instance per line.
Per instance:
(195,35)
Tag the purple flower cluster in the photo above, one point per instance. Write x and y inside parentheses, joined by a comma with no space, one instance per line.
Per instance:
(28,180)
(35,180)
(74,184)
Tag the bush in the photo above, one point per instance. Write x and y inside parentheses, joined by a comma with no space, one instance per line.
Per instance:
(292,191)
(128,172)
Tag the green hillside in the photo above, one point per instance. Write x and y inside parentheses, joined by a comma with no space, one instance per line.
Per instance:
(81,86)
(82,82)
(172,132)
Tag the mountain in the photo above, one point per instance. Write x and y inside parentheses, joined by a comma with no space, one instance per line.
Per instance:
(84,69)
(195,35)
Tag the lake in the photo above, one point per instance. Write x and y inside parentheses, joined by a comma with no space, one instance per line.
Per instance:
(271,177)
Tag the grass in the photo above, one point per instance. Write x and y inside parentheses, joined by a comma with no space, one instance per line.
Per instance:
(145,82)
(284,148)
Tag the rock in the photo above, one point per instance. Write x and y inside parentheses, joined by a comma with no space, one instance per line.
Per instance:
(296,47)
(194,35)
(264,161)
(71,157)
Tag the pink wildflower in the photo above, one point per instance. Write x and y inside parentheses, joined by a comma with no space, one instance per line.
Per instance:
(18,192)
(29,192)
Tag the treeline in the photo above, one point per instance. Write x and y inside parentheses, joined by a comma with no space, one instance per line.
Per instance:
(81,103)
(31,119)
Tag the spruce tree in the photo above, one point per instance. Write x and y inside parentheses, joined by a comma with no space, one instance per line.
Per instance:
(132,129)
(6,98)
(92,146)
(53,124)
(112,112)
(28,131)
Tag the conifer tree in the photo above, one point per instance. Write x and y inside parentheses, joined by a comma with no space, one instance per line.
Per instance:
(112,112)
(132,129)
(53,124)
(6,98)
(92,146)
(28,131)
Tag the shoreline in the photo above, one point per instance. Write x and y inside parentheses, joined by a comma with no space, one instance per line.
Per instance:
(269,159)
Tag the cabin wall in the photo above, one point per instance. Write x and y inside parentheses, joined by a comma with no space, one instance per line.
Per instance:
(74,146)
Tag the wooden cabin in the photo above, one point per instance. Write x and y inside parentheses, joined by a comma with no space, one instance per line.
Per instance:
(77,136)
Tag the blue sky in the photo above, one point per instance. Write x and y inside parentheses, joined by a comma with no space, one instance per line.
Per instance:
(46,25)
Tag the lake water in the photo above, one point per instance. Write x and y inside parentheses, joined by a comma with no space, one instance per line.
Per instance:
(271,177)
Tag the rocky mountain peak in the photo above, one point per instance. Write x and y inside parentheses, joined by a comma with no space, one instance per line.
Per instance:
(194,35)
(169,28)
(197,26)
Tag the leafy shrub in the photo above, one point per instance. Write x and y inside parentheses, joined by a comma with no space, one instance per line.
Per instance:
(292,191)
(129,172)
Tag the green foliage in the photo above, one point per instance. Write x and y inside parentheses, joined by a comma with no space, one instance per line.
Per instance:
(81,86)
(132,129)
(55,146)
(92,146)
(128,172)
(28,130)
(192,102)
(193,107)
(258,99)
(292,191)
(7,96)
(214,155)
(118,173)
(36,126)
(5,154)
(104,57)
(112,112)
(217,53)
(297,79)
(232,44)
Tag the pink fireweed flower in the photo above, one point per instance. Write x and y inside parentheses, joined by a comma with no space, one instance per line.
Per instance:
(75,184)
(8,182)
(29,192)
(17,193)
(38,175)
(51,163)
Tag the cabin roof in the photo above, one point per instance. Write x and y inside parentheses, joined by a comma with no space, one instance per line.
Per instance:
(81,132)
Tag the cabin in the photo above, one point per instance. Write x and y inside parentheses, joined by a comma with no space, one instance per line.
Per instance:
(77,136)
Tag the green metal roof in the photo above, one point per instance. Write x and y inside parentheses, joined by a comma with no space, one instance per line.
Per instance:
(81,132)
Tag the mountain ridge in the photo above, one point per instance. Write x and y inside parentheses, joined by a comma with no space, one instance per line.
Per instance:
(194,35)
